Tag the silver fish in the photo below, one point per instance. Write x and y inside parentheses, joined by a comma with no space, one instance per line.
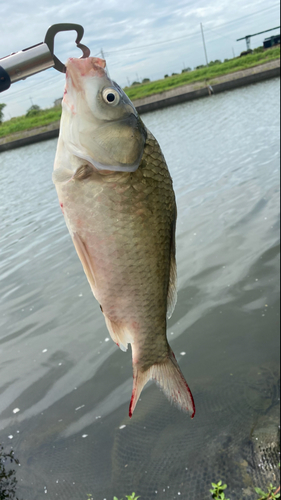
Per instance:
(117,197)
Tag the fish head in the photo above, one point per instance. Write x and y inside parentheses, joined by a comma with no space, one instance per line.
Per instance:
(99,122)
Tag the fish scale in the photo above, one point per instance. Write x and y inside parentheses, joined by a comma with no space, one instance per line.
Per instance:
(122,221)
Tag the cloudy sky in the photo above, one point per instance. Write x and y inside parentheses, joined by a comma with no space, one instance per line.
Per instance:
(140,38)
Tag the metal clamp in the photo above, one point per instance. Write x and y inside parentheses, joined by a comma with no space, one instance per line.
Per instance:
(50,39)
(37,58)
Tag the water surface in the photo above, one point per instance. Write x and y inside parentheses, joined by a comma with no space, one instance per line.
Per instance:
(64,385)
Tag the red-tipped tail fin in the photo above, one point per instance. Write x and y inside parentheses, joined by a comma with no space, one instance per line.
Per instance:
(170,379)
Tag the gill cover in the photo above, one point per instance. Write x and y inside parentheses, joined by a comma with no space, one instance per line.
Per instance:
(99,123)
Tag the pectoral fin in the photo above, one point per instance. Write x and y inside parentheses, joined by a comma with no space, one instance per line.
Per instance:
(84,256)
(64,175)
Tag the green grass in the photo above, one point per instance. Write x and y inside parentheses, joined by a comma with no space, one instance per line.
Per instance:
(20,123)
(218,492)
(271,493)
(47,116)
(206,73)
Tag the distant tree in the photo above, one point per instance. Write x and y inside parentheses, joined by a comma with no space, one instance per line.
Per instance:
(226,60)
(213,63)
(2,106)
(166,76)
(201,66)
(33,110)
(174,74)
(135,83)
(146,80)
(186,70)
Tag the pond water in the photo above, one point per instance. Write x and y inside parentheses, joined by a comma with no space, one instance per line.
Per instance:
(64,385)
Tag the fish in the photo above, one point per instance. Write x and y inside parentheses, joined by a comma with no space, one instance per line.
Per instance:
(119,205)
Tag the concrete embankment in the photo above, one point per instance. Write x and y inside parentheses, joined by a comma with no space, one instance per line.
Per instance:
(202,89)
(26,137)
(159,101)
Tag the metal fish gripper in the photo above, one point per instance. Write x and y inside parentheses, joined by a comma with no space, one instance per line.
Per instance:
(37,58)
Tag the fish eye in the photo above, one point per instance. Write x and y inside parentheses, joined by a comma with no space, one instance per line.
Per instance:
(111,97)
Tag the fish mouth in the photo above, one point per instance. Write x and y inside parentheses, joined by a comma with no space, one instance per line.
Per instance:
(76,69)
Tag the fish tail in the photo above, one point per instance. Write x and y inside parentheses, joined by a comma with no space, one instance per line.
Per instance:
(170,379)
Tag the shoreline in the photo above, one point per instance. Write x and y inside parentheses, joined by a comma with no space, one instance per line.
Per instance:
(200,89)
(159,101)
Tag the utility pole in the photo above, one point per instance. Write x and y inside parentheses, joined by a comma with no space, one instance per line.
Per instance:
(103,56)
(204,44)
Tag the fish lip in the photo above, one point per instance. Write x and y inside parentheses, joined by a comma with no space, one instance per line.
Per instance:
(86,64)
(80,68)
(91,66)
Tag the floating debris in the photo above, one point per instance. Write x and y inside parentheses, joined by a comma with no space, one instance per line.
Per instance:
(79,407)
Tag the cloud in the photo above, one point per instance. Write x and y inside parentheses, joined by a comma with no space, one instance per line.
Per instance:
(132,33)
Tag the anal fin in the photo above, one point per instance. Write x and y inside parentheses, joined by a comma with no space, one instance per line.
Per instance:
(119,333)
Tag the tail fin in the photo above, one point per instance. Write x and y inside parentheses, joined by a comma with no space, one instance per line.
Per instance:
(170,379)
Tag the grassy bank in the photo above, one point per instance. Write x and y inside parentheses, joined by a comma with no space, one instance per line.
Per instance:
(47,116)
(206,73)
(19,123)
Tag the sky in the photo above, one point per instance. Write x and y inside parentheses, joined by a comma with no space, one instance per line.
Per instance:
(140,38)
